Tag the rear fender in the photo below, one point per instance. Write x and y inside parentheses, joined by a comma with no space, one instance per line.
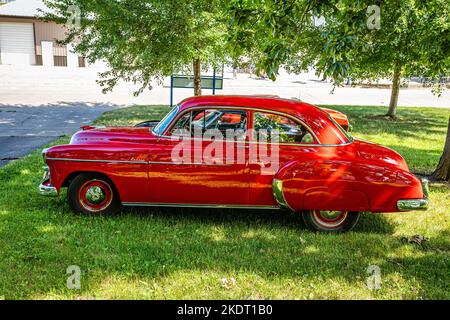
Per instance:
(319,185)
(335,199)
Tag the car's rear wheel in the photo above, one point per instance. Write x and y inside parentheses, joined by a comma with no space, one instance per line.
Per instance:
(93,194)
(330,221)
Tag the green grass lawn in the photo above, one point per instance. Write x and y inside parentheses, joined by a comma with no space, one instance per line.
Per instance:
(184,253)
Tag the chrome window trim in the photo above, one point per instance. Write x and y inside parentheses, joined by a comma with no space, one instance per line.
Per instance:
(201,107)
(346,134)
(295,120)
(309,144)
(351,140)
(191,205)
(269,143)
(176,110)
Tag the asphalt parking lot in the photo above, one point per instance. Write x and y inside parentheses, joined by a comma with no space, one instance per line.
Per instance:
(24,129)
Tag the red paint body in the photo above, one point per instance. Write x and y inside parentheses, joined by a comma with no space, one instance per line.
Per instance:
(337,174)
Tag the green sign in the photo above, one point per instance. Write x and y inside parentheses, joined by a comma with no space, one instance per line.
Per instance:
(180,81)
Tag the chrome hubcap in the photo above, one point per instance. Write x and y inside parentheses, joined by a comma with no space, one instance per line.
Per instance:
(95,195)
(330,215)
(330,219)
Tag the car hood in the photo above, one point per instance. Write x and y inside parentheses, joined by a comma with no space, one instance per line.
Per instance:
(377,153)
(91,134)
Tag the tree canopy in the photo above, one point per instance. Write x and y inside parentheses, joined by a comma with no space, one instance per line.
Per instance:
(143,40)
(413,38)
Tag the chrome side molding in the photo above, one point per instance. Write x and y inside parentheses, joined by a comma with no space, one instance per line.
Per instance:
(190,205)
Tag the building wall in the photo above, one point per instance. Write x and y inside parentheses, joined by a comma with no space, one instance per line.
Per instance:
(46,31)
(15,19)
(50,31)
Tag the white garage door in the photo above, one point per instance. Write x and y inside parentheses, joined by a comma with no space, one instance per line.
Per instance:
(17,43)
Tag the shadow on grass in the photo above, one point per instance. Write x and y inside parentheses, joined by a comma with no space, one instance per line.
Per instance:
(368,223)
(154,244)
(40,238)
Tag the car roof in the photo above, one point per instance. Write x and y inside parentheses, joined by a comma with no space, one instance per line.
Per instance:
(315,118)
(269,102)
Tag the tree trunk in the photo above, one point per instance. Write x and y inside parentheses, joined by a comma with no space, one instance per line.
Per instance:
(197,77)
(392,112)
(442,171)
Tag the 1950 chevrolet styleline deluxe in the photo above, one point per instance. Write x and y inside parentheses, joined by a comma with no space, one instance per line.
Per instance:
(256,152)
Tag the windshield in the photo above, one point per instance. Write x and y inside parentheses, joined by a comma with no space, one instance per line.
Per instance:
(162,125)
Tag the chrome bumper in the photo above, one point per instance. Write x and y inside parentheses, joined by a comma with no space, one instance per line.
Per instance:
(415,204)
(45,188)
(412,204)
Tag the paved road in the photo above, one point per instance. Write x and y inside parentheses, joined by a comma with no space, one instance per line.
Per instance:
(34,85)
(24,129)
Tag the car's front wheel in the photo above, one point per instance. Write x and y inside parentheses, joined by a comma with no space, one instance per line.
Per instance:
(330,221)
(93,194)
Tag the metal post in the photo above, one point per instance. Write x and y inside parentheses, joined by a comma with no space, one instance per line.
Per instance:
(214,82)
(171,91)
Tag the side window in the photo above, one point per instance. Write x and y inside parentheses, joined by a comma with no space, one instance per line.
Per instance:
(226,121)
(223,120)
(271,127)
(182,124)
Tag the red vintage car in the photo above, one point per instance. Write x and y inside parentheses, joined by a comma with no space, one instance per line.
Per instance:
(263,153)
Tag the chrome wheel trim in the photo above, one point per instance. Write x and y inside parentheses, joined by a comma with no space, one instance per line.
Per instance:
(95,195)
(329,219)
(86,206)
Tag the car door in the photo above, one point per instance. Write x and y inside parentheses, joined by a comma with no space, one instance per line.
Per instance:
(276,140)
(195,162)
